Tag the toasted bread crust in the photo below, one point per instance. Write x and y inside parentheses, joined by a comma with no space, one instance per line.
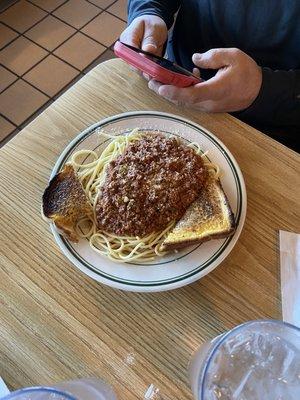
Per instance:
(186,243)
(64,201)
(230,213)
(211,210)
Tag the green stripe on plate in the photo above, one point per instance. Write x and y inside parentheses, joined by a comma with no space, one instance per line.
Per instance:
(189,274)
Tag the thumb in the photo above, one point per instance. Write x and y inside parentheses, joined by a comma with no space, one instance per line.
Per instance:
(149,45)
(214,58)
(151,40)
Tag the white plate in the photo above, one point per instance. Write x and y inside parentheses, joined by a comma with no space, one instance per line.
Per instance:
(173,270)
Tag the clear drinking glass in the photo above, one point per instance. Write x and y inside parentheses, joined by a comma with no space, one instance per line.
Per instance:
(81,389)
(254,361)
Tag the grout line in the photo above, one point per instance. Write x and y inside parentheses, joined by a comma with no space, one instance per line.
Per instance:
(95,59)
(67,86)
(84,25)
(62,43)
(30,84)
(105,8)
(60,19)
(67,23)
(11,40)
(50,101)
(23,34)
(45,105)
(8,6)
(80,74)
(35,87)
(52,51)
(17,76)
(22,76)
(9,137)
(26,30)
(54,9)
(84,71)
(109,12)
(7,119)
(26,121)
(9,43)
(35,114)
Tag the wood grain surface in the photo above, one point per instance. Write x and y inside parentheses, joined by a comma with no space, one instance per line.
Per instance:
(58,324)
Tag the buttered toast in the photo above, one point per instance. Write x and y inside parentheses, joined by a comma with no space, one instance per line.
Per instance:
(209,217)
(64,202)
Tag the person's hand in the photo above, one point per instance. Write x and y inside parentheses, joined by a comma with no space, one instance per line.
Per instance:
(148,32)
(234,87)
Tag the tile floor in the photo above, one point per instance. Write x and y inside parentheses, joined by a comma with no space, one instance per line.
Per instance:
(46,46)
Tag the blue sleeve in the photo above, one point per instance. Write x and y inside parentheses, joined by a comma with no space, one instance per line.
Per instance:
(162,8)
(278,102)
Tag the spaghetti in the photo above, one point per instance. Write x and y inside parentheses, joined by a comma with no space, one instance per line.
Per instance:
(91,170)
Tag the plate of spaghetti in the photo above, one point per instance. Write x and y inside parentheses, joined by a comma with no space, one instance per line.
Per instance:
(147,191)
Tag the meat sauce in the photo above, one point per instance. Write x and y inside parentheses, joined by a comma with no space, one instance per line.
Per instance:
(149,185)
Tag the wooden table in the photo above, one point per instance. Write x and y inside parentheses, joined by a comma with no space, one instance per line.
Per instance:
(58,324)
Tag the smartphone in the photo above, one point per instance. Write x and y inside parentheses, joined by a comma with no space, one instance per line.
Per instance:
(158,68)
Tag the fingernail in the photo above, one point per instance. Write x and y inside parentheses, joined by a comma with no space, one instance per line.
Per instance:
(150,85)
(149,47)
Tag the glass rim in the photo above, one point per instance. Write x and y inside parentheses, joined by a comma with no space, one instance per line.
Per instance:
(222,339)
(38,389)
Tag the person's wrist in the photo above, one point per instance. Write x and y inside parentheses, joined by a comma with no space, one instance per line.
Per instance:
(255,88)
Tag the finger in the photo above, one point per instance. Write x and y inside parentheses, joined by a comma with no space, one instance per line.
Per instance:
(146,76)
(133,34)
(154,85)
(152,40)
(214,58)
(131,38)
(150,47)
(212,106)
(212,89)
(208,106)
(182,95)
(196,72)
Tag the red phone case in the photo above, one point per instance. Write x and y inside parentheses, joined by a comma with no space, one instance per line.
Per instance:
(156,71)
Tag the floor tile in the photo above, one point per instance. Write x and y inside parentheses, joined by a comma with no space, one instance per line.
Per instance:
(20,100)
(89,50)
(22,16)
(119,9)
(77,12)
(107,55)
(51,75)
(6,78)
(50,32)
(36,114)
(4,4)
(21,55)
(102,3)
(6,35)
(105,28)
(5,128)
(48,5)
(71,84)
